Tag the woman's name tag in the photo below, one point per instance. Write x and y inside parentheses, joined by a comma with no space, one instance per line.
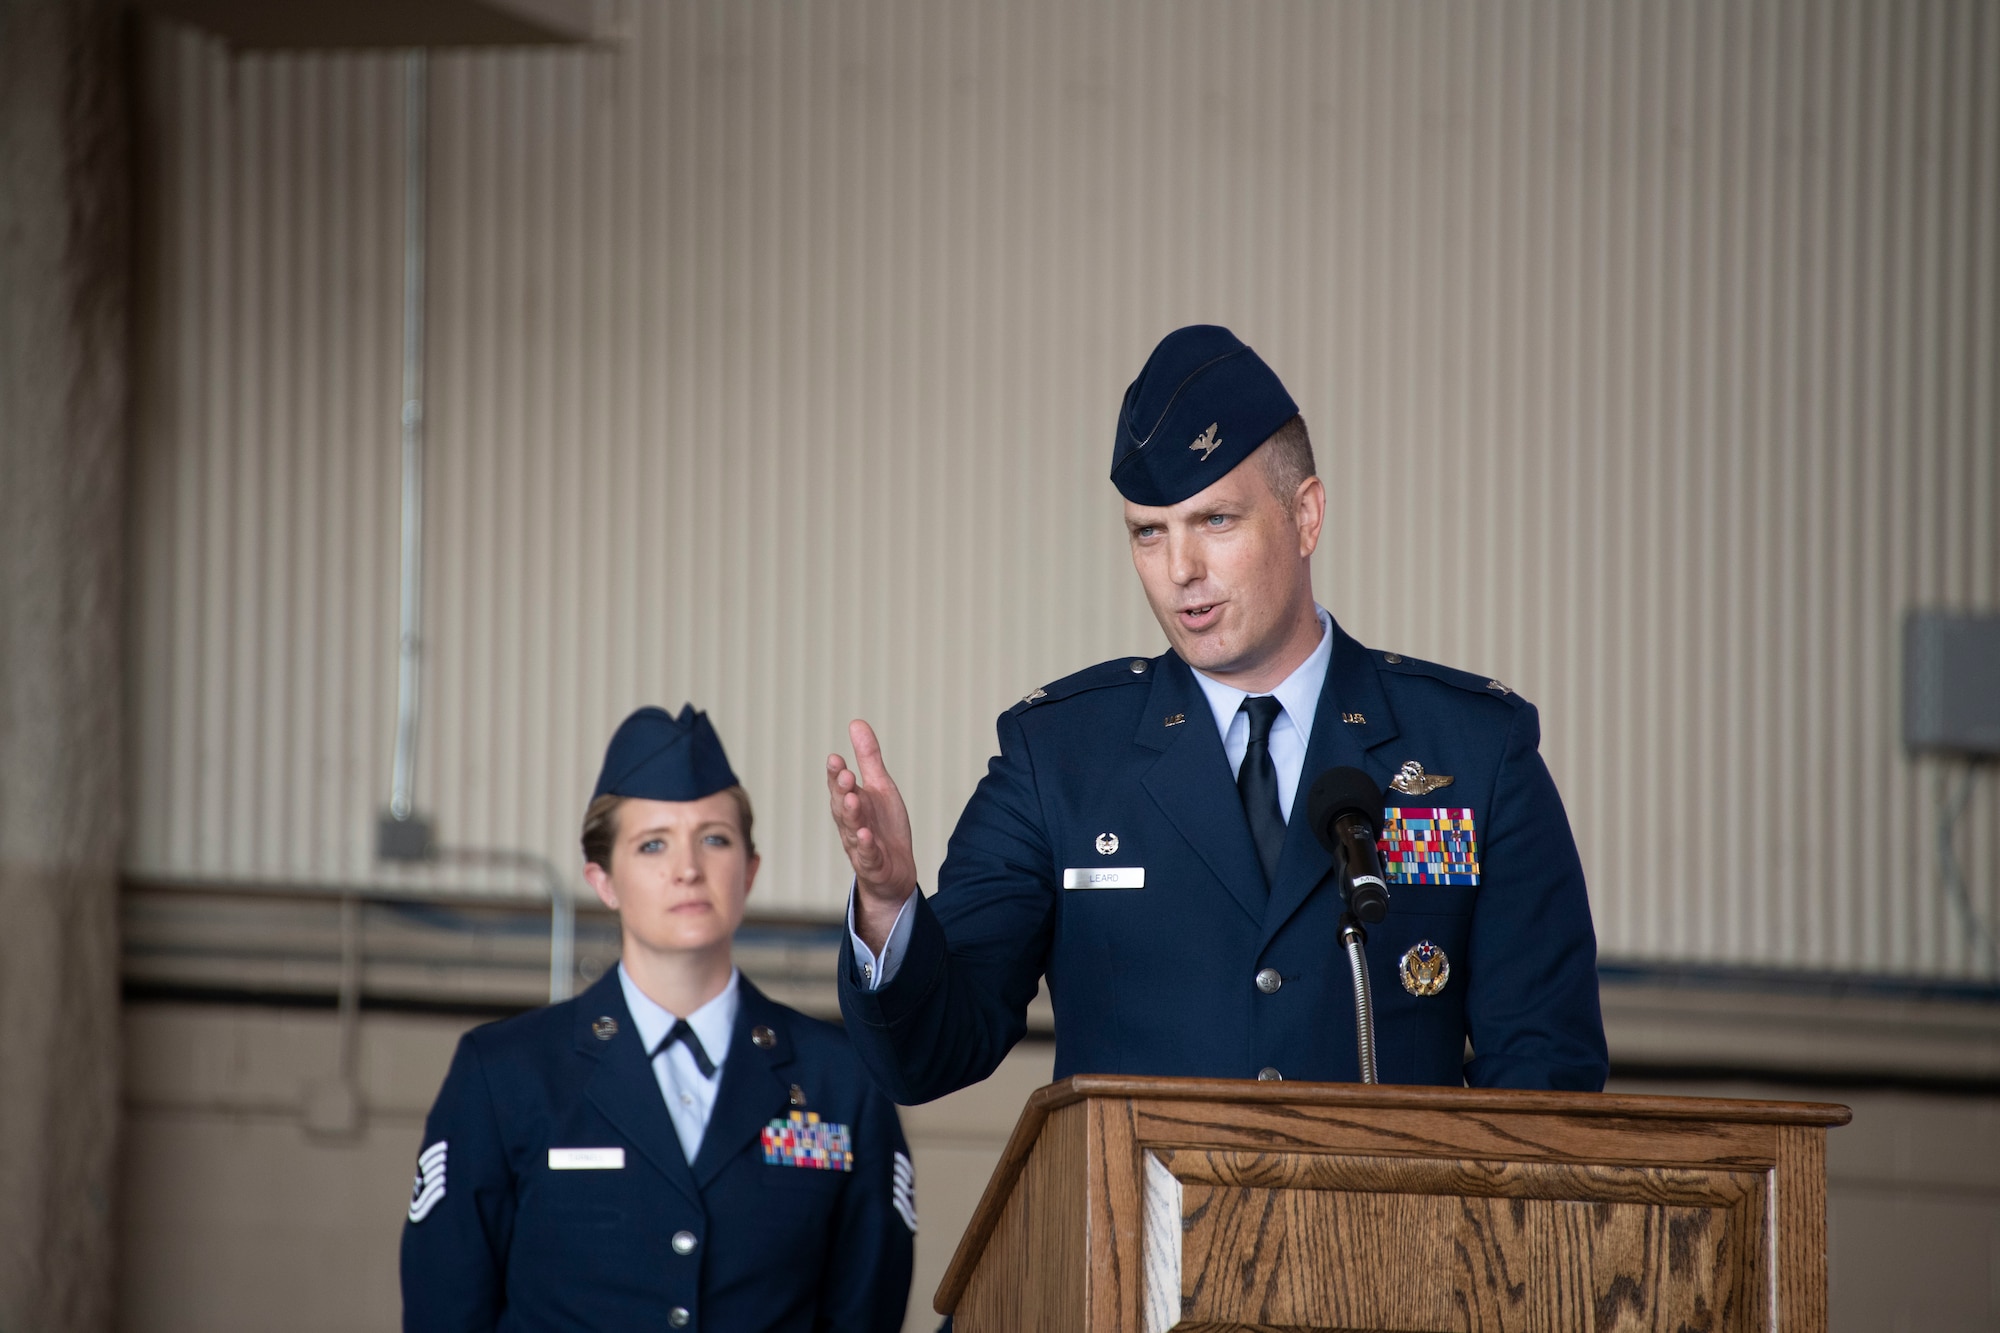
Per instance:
(1105,877)
(586,1159)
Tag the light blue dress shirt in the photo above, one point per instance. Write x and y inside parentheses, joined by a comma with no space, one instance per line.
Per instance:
(689,1094)
(1298,698)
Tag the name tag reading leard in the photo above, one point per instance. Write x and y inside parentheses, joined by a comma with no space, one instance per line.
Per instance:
(1105,877)
(586,1159)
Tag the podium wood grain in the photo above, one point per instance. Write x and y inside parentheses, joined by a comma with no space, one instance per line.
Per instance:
(1143,1205)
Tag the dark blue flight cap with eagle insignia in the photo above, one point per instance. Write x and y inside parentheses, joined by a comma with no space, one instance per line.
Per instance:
(1202,404)
(656,756)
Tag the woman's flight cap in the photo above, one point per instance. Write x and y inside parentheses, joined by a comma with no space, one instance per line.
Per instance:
(658,757)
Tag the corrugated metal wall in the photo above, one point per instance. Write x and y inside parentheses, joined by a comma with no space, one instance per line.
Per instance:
(775,350)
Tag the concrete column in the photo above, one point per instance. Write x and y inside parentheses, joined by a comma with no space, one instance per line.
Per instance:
(65,338)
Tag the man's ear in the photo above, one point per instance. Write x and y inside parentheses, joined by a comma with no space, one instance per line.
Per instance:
(1309,512)
(600,882)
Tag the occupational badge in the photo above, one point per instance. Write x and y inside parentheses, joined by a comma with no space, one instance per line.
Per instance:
(1411,780)
(1423,968)
(803,1139)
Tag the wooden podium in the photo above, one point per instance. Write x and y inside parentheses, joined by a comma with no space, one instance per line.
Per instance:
(1137,1205)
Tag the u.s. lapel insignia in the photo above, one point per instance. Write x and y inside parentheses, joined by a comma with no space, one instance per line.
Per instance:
(1208,441)
(1411,780)
(1423,968)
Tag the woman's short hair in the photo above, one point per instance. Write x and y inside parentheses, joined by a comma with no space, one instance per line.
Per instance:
(600,826)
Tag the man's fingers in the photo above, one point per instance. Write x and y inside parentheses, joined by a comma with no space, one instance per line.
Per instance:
(868,755)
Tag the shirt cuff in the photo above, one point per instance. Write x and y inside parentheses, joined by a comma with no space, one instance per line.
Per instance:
(879,972)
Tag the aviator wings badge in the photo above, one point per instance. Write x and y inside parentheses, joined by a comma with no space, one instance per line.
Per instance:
(1411,780)
(1208,441)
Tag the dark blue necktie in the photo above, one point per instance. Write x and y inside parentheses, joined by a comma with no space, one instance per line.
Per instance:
(1257,785)
(682,1032)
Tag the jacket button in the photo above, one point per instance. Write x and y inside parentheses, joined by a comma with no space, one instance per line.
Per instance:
(678,1316)
(1139,665)
(684,1242)
(1269,1075)
(1268,981)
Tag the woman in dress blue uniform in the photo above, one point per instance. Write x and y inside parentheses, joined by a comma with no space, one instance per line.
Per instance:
(671,1149)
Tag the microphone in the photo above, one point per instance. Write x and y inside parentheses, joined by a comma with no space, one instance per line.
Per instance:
(1344,809)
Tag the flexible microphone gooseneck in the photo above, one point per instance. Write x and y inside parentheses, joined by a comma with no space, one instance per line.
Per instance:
(1344,809)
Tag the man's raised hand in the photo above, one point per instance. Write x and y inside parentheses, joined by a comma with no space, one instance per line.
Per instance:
(875,830)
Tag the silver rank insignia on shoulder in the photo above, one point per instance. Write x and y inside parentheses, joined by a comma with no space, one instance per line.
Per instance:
(1411,780)
(1208,441)
(429,1187)
(1423,968)
(1496,685)
(1033,695)
(1107,843)
(903,1191)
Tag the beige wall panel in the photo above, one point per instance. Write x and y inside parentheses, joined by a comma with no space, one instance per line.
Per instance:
(775,351)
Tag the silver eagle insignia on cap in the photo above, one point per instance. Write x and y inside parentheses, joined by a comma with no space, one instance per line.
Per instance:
(1208,441)
(1411,780)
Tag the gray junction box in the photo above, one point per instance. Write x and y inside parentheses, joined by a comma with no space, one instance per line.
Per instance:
(1951,683)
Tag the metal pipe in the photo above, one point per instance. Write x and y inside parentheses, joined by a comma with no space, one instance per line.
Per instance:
(350,990)
(416,176)
(1353,937)
(562,907)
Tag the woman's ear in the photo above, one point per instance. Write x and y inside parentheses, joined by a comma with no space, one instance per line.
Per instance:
(750,873)
(600,882)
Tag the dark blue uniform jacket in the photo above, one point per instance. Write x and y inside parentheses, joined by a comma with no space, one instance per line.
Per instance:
(1161,979)
(512,1244)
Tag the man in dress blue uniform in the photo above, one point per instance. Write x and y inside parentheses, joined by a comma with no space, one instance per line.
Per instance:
(1140,840)
(671,1149)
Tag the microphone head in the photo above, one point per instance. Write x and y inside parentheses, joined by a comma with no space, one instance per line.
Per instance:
(1337,792)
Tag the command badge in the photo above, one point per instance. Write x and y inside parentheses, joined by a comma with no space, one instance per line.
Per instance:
(1423,968)
(1107,843)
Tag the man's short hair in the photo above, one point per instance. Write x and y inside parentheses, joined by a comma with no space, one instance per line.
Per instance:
(1287,460)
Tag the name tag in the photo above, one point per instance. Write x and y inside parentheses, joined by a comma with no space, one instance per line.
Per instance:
(1105,877)
(586,1159)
